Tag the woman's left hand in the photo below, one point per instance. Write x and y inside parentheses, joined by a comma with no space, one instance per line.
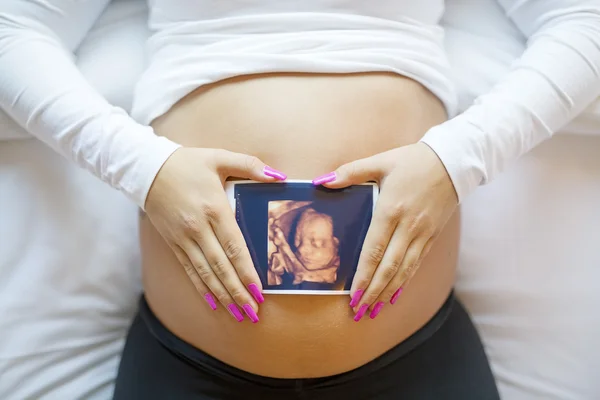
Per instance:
(416,200)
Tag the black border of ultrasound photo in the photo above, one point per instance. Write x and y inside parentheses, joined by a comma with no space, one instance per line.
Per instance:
(350,209)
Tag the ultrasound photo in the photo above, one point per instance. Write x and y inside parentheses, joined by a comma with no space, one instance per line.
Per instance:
(304,239)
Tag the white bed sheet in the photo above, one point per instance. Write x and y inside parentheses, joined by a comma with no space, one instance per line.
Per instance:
(532,299)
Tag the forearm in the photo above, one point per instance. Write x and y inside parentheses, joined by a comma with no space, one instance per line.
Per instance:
(41,89)
(554,80)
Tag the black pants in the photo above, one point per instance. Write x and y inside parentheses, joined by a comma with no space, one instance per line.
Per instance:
(444,360)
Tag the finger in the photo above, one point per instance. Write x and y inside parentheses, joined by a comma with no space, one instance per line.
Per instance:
(410,265)
(210,278)
(353,173)
(412,273)
(246,166)
(388,268)
(380,232)
(192,273)
(233,244)
(224,270)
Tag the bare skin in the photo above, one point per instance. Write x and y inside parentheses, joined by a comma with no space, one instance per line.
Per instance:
(304,125)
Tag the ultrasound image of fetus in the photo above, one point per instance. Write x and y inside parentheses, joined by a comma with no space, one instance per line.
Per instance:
(301,243)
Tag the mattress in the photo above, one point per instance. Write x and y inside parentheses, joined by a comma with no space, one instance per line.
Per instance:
(528,262)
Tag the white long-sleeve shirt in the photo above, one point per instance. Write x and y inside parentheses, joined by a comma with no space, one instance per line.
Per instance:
(40,87)
(196,45)
(554,80)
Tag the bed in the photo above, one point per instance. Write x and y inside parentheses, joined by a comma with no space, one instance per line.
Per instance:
(529,264)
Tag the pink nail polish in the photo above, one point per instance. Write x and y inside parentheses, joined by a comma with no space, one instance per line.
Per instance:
(356,298)
(375,311)
(250,312)
(395,296)
(361,311)
(210,300)
(253,287)
(273,173)
(330,177)
(235,311)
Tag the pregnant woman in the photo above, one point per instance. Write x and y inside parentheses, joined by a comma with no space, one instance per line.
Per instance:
(342,92)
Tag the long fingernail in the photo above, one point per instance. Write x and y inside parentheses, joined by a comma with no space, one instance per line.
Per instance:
(375,311)
(356,298)
(210,300)
(250,313)
(395,296)
(235,311)
(255,291)
(330,177)
(361,311)
(273,173)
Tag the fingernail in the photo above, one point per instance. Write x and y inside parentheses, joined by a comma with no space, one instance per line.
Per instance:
(361,311)
(210,300)
(395,296)
(324,179)
(273,173)
(356,298)
(375,311)
(235,311)
(250,313)
(253,287)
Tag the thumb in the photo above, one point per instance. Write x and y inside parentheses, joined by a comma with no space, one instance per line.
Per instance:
(352,173)
(245,166)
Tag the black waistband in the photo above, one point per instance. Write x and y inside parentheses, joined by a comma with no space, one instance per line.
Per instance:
(204,361)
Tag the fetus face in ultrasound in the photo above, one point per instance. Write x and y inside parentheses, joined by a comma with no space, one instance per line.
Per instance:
(301,243)
(316,247)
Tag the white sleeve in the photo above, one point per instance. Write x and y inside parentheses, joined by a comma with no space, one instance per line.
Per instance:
(41,89)
(556,78)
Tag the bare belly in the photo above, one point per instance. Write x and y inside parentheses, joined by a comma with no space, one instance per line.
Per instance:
(304,125)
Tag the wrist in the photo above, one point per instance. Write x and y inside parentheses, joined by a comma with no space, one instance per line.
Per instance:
(145,174)
(438,171)
(463,167)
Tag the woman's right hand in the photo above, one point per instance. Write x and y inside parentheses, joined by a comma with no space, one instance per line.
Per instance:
(188,206)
